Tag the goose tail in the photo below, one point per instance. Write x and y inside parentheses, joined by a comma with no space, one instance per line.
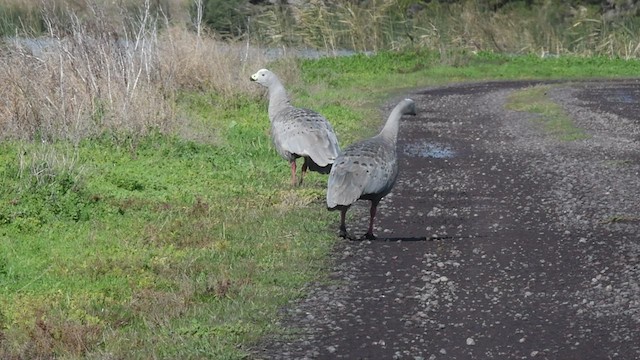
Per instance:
(317,168)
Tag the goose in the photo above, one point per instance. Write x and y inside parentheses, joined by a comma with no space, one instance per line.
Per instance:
(298,132)
(367,170)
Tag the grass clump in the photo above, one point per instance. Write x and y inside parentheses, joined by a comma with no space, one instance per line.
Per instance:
(553,118)
(624,219)
(41,183)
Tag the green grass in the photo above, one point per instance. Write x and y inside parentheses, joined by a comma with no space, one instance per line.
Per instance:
(553,118)
(391,70)
(177,250)
(165,247)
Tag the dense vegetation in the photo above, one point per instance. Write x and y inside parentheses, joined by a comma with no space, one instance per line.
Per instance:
(143,211)
(587,27)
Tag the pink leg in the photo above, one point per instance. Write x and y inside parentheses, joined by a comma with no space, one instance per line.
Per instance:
(293,172)
(372,215)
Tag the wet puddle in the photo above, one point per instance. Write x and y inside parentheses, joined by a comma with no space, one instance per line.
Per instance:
(428,149)
(622,98)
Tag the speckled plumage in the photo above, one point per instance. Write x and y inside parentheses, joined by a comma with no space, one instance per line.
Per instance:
(298,132)
(367,170)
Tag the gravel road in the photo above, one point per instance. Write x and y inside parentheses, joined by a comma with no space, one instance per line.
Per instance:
(499,241)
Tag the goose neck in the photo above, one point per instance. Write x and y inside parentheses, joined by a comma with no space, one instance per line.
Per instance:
(278,99)
(390,130)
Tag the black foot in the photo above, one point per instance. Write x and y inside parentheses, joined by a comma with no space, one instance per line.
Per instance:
(345,235)
(369,236)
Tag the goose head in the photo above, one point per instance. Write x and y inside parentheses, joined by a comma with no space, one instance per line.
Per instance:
(408,107)
(264,77)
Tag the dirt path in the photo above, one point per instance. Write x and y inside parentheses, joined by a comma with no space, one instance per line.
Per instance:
(499,241)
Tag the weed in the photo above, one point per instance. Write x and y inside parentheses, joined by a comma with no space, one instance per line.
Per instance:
(619,163)
(625,219)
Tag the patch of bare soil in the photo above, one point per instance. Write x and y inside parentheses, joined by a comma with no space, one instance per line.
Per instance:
(499,241)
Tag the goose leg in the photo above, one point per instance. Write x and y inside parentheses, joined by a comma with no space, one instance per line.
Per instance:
(343,228)
(372,215)
(305,166)
(293,172)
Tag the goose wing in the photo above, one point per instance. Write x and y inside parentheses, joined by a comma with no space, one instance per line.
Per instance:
(305,133)
(363,169)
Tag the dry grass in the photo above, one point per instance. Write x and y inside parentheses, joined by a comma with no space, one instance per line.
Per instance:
(202,63)
(332,26)
(90,77)
(46,333)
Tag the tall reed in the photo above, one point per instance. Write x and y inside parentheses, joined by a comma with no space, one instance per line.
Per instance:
(546,27)
(367,26)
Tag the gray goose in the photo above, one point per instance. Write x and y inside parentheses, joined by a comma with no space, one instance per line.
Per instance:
(367,170)
(298,132)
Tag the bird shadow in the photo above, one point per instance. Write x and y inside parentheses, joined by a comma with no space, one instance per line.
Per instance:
(405,238)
